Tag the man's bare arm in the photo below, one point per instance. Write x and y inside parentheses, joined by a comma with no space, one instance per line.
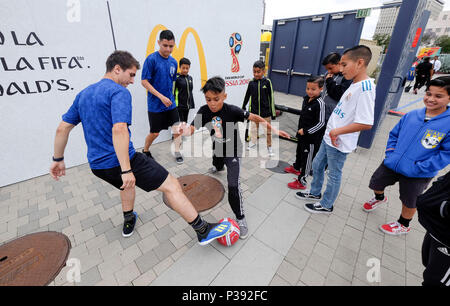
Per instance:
(156,93)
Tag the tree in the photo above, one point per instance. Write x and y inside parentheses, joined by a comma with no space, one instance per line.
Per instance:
(444,43)
(428,37)
(382,40)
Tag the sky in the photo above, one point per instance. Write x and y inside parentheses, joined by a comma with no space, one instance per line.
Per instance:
(279,9)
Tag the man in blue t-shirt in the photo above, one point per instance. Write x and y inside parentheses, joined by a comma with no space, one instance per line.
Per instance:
(104,109)
(158,76)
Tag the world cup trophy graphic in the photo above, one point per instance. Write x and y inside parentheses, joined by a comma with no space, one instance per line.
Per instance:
(235,46)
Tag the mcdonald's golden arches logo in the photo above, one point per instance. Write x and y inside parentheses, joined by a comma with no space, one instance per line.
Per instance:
(178,52)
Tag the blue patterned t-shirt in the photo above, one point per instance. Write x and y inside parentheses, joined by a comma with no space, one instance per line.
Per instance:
(98,107)
(161,73)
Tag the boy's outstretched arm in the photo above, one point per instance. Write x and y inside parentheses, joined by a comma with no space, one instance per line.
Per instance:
(350,128)
(260,120)
(183,129)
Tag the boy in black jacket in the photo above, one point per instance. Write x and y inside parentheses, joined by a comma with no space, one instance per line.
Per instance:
(434,214)
(260,94)
(311,127)
(335,83)
(183,90)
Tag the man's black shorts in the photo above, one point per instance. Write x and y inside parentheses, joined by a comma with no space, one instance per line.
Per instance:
(162,121)
(410,187)
(148,173)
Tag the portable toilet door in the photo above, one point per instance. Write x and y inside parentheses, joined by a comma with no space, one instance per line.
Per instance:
(299,45)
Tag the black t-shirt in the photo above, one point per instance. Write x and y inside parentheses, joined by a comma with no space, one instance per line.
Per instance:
(223,128)
(424,69)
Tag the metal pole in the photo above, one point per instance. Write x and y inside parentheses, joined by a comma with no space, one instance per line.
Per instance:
(264,11)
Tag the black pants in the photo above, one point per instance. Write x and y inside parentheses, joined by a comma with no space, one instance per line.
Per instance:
(306,151)
(234,183)
(298,155)
(436,262)
(421,80)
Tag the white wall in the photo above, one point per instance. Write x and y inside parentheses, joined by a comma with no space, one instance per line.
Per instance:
(28,120)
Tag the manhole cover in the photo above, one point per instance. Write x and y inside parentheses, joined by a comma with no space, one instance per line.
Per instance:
(203,191)
(276,166)
(33,260)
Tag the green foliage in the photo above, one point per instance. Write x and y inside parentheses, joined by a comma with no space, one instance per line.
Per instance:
(427,37)
(382,40)
(444,43)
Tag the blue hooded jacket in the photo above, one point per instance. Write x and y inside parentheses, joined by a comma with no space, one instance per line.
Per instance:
(421,148)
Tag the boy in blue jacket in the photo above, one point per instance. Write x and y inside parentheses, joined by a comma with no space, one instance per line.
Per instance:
(418,147)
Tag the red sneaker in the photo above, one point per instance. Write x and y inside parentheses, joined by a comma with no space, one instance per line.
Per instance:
(296,185)
(373,203)
(292,170)
(394,228)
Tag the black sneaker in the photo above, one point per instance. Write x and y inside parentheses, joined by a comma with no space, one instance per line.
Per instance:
(147,153)
(317,208)
(179,158)
(307,196)
(128,225)
(303,181)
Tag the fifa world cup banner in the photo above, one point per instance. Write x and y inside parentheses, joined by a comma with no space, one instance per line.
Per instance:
(429,52)
(52,49)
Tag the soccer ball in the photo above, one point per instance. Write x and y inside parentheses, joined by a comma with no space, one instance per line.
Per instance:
(232,236)
(235,42)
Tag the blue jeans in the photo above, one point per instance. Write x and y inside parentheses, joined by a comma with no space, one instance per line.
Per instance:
(335,160)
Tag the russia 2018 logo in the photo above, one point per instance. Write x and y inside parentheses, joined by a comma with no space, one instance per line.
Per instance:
(235,46)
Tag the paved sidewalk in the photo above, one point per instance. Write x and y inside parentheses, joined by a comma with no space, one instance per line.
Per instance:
(286,245)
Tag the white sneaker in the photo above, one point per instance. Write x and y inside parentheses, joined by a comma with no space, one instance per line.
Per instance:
(243,227)
(270,151)
(213,170)
(251,146)
(373,203)
(394,228)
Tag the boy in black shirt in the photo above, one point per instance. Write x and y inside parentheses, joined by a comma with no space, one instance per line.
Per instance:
(260,94)
(423,74)
(311,127)
(221,119)
(183,90)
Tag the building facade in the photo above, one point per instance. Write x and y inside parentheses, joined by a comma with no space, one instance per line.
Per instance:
(388,16)
(439,26)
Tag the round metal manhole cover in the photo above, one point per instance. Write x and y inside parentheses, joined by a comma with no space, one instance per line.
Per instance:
(203,191)
(276,166)
(33,260)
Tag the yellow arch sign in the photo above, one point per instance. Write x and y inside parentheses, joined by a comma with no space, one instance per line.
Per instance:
(178,52)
